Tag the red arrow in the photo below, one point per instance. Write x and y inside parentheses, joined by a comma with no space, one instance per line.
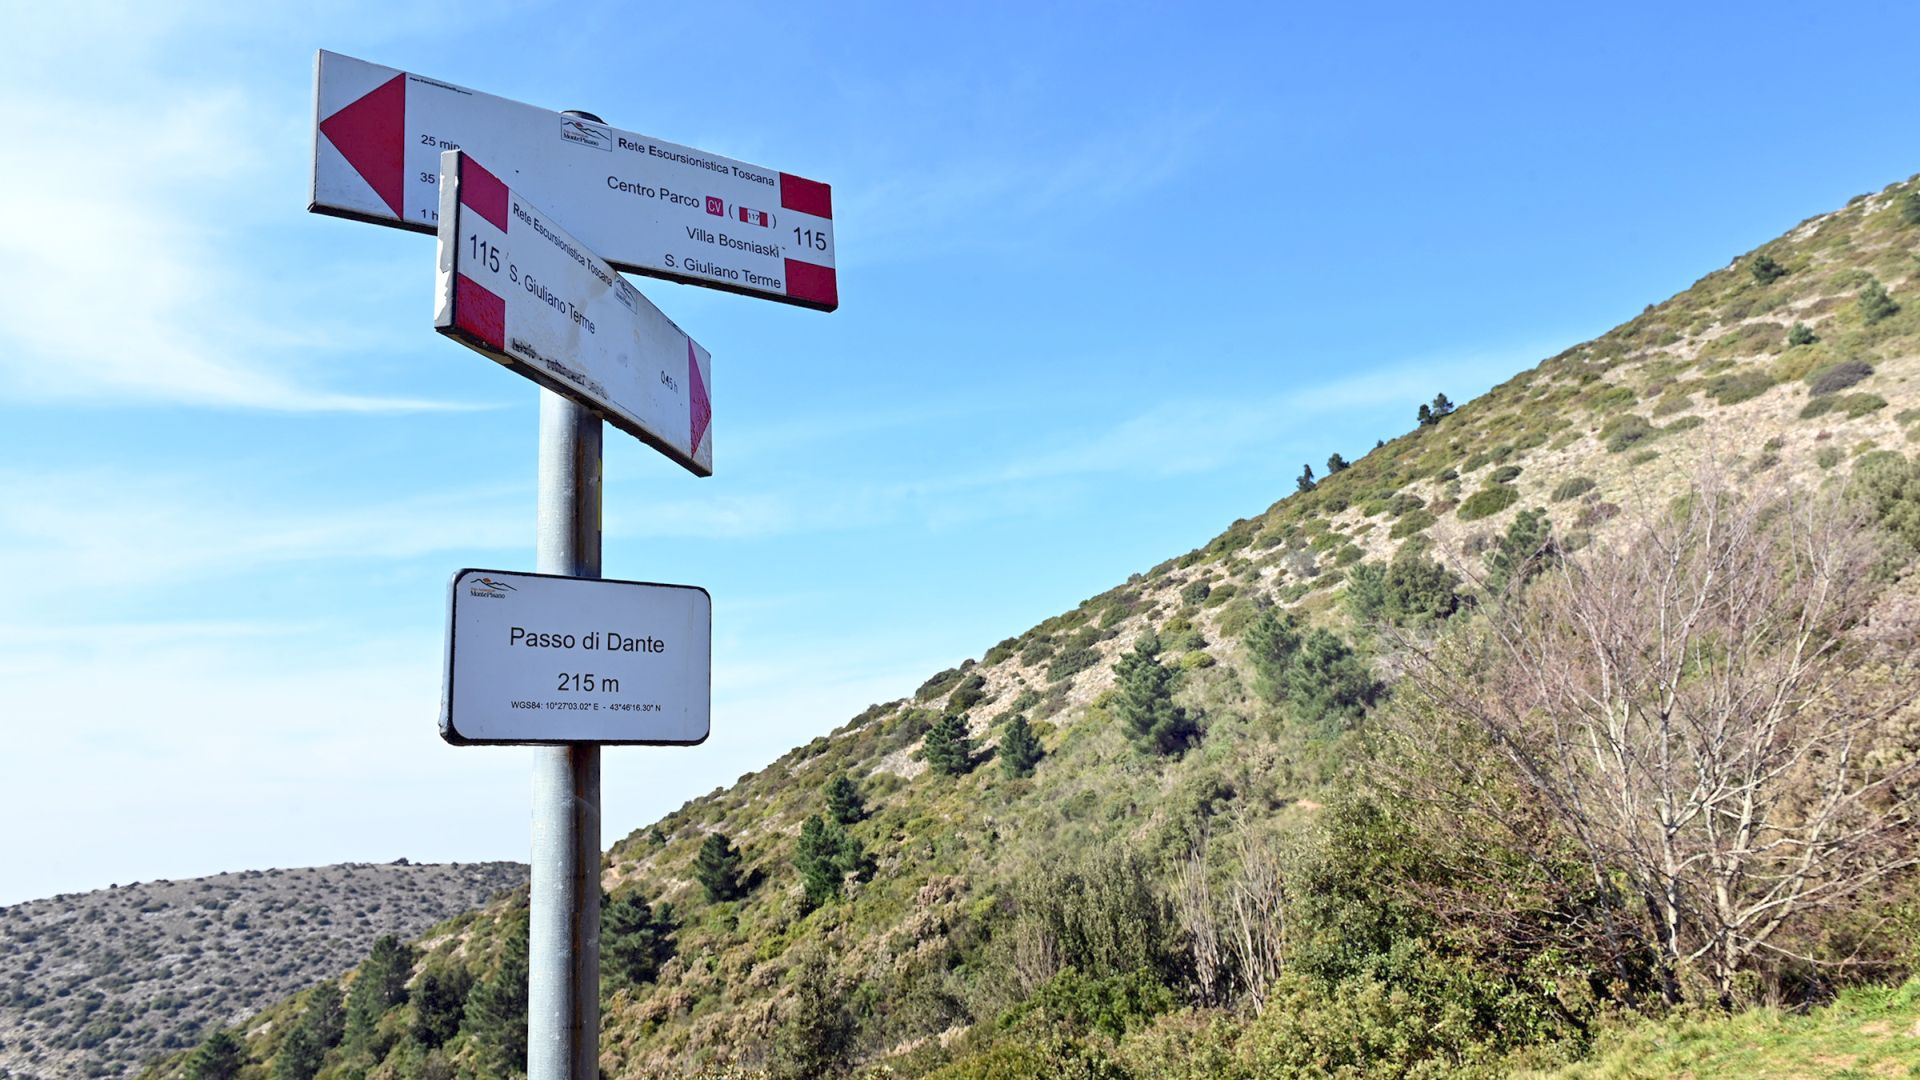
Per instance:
(371,134)
(698,407)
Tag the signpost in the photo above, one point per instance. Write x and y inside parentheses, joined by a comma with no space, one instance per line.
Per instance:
(529,247)
(646,205)
(536,658)
(520,289)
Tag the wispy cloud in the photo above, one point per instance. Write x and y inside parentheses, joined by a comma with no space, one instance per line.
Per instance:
(135,268)
(70,532)
(1172,438)
(1001,196)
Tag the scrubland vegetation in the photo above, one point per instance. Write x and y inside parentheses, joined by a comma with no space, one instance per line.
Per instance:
(1573,731)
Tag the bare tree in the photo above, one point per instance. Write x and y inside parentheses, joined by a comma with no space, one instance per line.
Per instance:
(1236,930)
(1678,700)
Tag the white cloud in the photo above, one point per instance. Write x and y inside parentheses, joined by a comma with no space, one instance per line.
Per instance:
(68,532)
(135,266)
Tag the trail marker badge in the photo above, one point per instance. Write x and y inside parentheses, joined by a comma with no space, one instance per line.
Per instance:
(646,205)
(515,286)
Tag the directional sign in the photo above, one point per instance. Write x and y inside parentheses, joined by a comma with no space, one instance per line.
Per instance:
(533,658)
(645,205)
(521,290)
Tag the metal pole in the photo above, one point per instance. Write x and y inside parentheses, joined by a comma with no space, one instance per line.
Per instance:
(563,962)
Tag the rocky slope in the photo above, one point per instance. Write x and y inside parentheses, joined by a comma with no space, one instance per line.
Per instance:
(96,984)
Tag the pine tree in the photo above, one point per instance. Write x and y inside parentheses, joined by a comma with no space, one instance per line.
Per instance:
(219,1058)
(1522,553)
(1426,416)
(845,803)
(635,937)
(1144,703)
(438,1003)
(1271,641)
(1305,480)
(380,986)
(1335,463)
(1327,684)
(948,748)
(718,869)
(1019,749)
(1441,407)
(825,855)
(1765,269)
(319,1029)
(496,1013)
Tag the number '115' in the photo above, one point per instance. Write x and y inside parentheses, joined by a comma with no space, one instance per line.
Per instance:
(484,253)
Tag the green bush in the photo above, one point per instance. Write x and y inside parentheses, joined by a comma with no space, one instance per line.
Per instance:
(1801,334)
(1505,474)
(1410,589)
(1852,406)
(1573,487)
(1889,485)
(1874,304)
(1836,377)
(1001,651)
(1624,431)
(1828,456)
(970,692)
(1411,523)
(937,685)
(1765,269)
(1734,387)
(1487,502)
(1195,592)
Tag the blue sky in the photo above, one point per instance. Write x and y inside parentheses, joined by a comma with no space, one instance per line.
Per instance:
(1108,277)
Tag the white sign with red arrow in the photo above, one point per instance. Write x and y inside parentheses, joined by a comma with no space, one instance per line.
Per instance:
(645,205)
(520,289)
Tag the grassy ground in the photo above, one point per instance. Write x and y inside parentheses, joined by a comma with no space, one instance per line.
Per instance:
(1867,1033)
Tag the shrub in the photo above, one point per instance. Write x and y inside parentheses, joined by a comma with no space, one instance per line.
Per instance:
(1072,662)
(1836,377)
(1505,474)
(1522,552)
(1573,487)
(1486,502)
(1195,592)
(1001,651)
(1874,304)
(1828,456)
(1734,387)
(1889,485)
(1765,269)
(1910,208)
(1801,335)
(1411,523)
(1853,406)
(1622,432)
(1412,588)
(1405,503)
(937,685)
(970,692)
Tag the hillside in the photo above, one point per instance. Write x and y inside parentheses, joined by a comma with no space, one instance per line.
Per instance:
(1241,892)
(99,983)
